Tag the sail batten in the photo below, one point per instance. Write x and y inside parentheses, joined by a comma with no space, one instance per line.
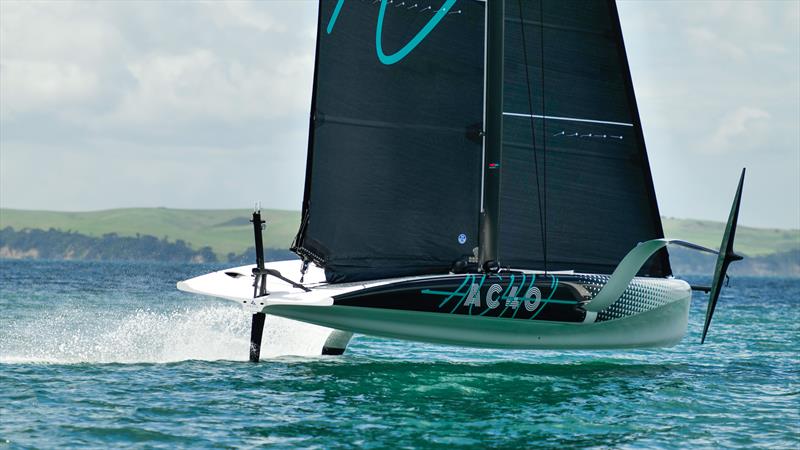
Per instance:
(384,124)
(566,119)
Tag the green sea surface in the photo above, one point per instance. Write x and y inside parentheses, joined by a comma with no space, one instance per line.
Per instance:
(110,355)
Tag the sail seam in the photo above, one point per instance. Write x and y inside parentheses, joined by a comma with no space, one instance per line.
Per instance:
(382,124)
(535,23)
(568,151)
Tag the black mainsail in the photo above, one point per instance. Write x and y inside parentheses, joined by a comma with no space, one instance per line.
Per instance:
(394,162)
(393,182)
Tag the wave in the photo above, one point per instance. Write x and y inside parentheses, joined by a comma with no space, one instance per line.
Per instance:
(69,336)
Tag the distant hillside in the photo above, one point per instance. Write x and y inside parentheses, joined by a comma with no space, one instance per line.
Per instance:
(749,241)
(228,234)
(782,264)
(54,244)
(225,230)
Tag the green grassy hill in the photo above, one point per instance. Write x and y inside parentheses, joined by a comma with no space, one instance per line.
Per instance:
(749,241)
(225,231)
(228,231)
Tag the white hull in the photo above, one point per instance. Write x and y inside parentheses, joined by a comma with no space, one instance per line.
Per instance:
(662,322)
(662,327)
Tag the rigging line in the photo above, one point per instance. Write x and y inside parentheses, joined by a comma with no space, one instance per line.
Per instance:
(544,130)
(533,132)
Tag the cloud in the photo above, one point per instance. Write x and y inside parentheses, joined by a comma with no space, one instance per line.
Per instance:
(154,103)
(740,29)
(119,70)
(121,102)
(248,14)
(34,85)
(721,94)
(738,129)
(205,84)
(706,41)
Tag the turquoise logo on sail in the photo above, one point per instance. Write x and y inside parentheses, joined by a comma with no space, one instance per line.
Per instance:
(411,45)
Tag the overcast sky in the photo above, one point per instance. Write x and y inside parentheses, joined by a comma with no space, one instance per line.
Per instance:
(205,105)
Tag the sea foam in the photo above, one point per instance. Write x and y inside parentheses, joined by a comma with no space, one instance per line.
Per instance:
(67,336)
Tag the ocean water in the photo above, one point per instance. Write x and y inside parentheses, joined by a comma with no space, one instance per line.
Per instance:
(111,355)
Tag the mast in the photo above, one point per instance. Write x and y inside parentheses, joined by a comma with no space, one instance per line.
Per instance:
(493,139)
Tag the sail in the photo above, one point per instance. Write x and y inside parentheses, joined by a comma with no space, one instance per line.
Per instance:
(578,168)
(394,163)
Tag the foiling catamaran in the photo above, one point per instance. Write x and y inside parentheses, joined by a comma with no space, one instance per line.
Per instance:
(476,176)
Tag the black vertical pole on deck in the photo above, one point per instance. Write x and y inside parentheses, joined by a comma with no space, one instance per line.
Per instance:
(256,331)
(490,212)
(257,326)
(262,281)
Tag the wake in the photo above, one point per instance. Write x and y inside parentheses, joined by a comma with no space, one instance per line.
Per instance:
(208,333)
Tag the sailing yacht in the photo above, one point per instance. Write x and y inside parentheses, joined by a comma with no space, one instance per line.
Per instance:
(476,176)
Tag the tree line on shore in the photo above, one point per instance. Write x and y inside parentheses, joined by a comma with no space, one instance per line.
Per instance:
(57,244)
